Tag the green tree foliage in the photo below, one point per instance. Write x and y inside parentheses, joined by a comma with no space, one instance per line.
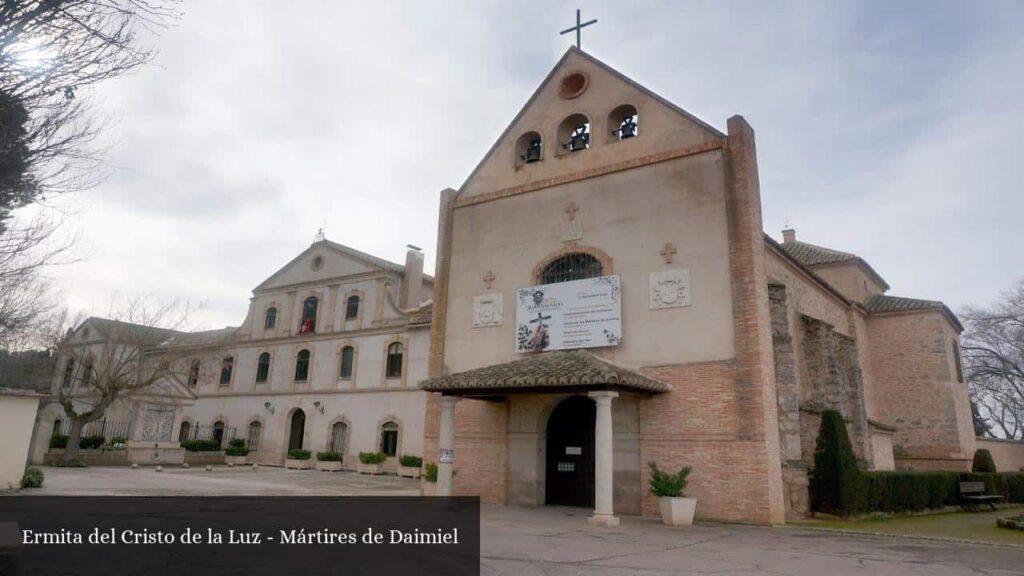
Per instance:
(18,186)
(835,484)
(983,461)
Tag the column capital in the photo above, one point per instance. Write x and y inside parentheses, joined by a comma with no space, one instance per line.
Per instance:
(599,395)
(449,400)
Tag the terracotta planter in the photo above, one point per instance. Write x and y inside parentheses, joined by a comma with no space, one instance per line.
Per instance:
(428,488)
(298,464)
(370,468)
(409,471)
(677,511)
(236,460)
(328,466)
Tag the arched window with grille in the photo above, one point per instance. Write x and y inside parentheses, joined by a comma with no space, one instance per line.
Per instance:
(263,368)
(394,363)
(270,318)
(389,438)
(255,434)
(573,266)
(339,431)
(218,432)
(352,308)
(185,431)
(226,367)
(302,366)
(348,356)
(308,323)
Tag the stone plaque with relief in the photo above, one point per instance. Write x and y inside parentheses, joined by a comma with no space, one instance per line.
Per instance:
(670,289)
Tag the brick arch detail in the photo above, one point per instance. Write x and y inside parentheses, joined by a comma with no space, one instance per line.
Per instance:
(601,255)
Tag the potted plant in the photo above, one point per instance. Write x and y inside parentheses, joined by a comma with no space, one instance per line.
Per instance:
(428,483)
(328,461)
(371,462)
(298,459)
(236,452)
(676,509)
(409,466)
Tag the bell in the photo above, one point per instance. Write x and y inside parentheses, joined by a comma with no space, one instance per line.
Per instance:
(580,139)
(628,128)
(532,152)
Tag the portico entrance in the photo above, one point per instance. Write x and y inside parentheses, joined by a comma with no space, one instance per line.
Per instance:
(565,456)
(569,467)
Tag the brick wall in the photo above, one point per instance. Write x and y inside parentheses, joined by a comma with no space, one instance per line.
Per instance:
(914,376)
(1008,454)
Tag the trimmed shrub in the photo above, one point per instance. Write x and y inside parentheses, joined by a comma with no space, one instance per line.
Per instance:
(901,492)
(372,457)
(118,440)
(200,445)
(666,484)
(58,441)
(33,478)
(91,442)
(835,483)
(328,457)
(299,454)
(983,461)
(236,447)
(410,461)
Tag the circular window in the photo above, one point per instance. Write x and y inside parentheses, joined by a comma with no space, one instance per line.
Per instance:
(318,262)
(572,85)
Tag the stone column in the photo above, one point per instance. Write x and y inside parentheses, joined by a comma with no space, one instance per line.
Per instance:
(446,445)
(603,514)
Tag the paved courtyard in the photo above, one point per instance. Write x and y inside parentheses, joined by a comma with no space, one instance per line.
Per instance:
(557,541)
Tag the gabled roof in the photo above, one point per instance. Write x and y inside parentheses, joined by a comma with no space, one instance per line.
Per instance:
(363,257)
(880,304)
(145,335)
(574,50)
(201,338)
(811,255)
(557,370)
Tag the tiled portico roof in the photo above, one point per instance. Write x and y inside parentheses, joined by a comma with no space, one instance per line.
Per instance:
(559,370)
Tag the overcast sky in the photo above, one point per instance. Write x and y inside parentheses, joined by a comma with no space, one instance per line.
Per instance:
(892,130)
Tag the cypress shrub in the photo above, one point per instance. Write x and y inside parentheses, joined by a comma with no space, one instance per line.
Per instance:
(835,483)
(983,461)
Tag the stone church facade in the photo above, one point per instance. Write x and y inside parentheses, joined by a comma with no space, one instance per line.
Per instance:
(328,358)
(731,343)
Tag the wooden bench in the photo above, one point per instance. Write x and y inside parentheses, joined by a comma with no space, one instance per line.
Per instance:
(972,494)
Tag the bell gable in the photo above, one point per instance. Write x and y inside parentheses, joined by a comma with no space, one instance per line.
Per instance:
(584,115)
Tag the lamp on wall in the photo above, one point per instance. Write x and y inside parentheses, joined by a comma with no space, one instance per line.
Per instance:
(318,406)
(269,407)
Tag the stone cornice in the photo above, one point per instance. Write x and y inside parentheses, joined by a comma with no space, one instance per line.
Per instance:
(716,144)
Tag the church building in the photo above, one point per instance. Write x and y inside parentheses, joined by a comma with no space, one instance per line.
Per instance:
(605,297)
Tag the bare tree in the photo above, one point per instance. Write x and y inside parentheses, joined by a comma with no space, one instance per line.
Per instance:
(50,50)
(994,359)
(142,351)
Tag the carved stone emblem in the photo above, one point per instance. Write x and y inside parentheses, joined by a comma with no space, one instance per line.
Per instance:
(487,310)
(670,289)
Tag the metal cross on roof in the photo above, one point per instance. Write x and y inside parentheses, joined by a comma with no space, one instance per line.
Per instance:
(578,27)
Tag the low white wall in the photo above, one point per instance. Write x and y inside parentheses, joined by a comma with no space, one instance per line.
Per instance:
(17,419)
(1008,454)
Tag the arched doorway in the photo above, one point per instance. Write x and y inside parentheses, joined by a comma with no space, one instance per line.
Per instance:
(569,477)
(298,429)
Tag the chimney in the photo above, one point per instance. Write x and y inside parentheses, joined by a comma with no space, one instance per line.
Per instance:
(788,236)
(413,284)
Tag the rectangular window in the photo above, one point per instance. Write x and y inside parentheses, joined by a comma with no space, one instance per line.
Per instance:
(193,373)
(959,362)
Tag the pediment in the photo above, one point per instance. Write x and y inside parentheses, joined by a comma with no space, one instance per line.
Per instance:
(324,260)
